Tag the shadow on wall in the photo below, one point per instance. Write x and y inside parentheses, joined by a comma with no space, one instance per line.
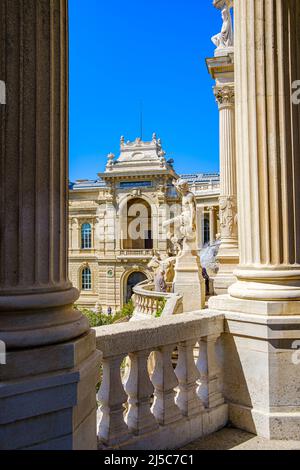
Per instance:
(236,390)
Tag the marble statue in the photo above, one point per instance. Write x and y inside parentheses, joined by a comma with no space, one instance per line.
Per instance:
(164,272)
(225,39)
(182,230)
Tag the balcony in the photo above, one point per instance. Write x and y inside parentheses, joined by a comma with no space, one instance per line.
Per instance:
(146,403)
(135,255)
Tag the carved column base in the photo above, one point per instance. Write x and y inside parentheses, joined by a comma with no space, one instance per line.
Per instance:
(40,319)
(47,397)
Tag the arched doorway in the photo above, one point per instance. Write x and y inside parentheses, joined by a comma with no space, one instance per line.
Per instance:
(138,227)
(133,279)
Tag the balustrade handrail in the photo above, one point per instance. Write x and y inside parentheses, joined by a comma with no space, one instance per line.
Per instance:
(123,338)
(134,252)
(146,299)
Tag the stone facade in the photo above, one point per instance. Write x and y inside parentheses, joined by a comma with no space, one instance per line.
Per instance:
(142,174)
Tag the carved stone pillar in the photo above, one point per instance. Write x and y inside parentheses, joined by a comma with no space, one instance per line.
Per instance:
(263,308)
(36,296)
(228,256)
(221,69)
(268,147)
(212,225)
(200,235)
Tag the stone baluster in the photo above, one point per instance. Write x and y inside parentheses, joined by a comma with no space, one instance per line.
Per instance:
(139,388)
(209,390)
(164,380)
(150,306)
(142,304)
(187,374)
(112,397)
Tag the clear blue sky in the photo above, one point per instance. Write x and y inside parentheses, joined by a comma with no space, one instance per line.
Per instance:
(123,52)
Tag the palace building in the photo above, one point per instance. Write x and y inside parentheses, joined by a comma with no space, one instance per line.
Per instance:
(105,262)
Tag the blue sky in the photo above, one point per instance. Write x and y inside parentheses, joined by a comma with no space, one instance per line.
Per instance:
(123,52)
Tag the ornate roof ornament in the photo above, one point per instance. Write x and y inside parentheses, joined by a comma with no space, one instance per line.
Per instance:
(110,161)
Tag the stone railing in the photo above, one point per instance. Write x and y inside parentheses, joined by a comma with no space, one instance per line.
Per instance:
(154,406)
(148,302)
(199,188)
(137,254)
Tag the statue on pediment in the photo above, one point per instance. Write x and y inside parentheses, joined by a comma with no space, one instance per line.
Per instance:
(225,39)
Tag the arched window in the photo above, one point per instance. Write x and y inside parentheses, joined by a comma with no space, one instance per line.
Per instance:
(134,279)
(86,279)
(86,237)
(139,226)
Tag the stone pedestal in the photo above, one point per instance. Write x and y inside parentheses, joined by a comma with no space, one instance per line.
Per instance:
(261,367)
(189,281)
(47,393)
(263,309)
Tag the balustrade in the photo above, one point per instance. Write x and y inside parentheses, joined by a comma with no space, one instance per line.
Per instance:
(160,407)
(148,302)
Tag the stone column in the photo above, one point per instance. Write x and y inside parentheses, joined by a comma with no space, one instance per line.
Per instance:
(36,296)
(228,256)
(200,238)
(263,309)
(268,147)
(212,224)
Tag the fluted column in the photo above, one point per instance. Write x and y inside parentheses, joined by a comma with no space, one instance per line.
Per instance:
(268,140)
(200,237)
(47,393)
(228,256)
(228,197)
(212,225)
(262,311)
(35,294)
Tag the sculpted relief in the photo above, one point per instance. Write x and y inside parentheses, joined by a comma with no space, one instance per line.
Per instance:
(228,217)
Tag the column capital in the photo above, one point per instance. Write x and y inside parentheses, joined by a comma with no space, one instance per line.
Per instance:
(225,95)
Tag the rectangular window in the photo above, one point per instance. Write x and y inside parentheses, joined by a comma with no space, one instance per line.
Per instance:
(86,279)
(135,184)
(86,237)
